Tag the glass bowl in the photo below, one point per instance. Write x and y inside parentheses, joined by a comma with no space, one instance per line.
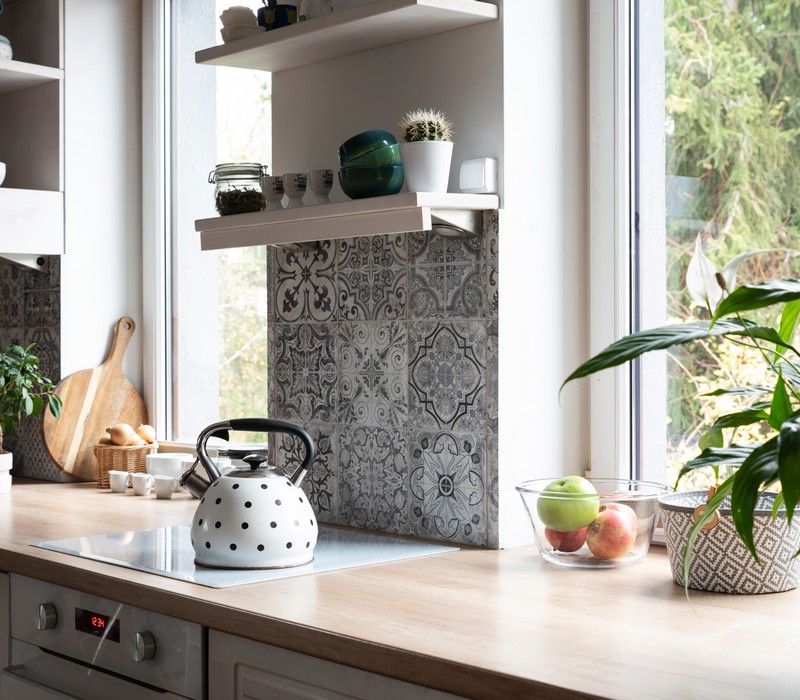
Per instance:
(610,528)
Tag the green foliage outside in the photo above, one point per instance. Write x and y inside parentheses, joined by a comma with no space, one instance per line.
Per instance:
(733,126)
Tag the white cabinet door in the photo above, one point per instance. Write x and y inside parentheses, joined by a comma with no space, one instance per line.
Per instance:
(242,669)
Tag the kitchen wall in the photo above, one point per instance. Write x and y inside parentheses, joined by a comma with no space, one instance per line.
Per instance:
(385,349)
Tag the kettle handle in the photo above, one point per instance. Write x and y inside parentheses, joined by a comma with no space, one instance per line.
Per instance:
(258,425)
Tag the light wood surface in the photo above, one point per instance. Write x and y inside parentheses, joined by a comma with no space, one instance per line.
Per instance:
(483,624)
(94,399)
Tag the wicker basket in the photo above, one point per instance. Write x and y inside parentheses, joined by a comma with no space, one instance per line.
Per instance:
(127,459)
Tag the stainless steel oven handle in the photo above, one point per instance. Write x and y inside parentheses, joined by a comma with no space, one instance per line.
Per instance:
(14,684)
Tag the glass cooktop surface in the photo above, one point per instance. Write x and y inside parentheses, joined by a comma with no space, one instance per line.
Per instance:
(167,551)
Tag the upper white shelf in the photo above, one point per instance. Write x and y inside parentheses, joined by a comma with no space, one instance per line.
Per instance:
(397,213)
(18,75)
(378,23)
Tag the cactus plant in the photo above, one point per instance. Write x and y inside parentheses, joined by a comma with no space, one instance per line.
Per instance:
(426,125)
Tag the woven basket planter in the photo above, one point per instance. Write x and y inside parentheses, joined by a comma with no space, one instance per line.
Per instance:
(720,561)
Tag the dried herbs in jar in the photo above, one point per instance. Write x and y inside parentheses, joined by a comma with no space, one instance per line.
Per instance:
(237,187)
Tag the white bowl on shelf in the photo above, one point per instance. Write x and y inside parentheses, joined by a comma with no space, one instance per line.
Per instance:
(240,31)
(2,172)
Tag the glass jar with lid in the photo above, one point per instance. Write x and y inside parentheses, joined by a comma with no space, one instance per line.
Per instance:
(237,187)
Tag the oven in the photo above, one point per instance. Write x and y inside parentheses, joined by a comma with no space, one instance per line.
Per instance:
(67,644)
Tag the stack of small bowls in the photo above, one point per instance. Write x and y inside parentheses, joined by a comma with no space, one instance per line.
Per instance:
(369,165)
(238,22)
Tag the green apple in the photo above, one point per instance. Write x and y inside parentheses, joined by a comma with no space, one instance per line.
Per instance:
(573,505)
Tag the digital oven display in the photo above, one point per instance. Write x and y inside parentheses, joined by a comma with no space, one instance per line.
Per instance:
(96,624)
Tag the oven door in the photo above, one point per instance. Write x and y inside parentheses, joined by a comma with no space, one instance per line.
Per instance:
(39,675)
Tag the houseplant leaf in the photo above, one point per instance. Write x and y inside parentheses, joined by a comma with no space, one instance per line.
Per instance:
(781,407)
(732,456)
(639,343)
(789,319)
(760,468)
(789,463)
(749,297)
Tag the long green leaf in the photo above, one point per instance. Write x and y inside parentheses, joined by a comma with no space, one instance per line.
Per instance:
(639,343)
(781,407)
(746,416)
(789,319)
(749,297)
(740,391)
(732,456)
(760,468)
(789,463)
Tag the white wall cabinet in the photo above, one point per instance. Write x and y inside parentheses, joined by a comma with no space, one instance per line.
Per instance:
(242,669)
(31,140)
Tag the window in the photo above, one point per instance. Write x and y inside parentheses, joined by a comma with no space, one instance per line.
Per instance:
(693,134)
(214,311)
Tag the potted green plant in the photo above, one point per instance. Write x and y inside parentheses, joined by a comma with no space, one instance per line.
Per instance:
(762,488)
(23,392)
(426,150)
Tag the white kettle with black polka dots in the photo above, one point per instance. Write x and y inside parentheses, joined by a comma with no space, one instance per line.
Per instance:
(254,517)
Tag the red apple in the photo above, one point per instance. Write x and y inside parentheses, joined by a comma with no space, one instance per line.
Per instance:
(613,531)
(566,541)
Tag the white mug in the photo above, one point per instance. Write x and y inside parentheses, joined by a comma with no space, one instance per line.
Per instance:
(141,483)
(118,480)
(164,486)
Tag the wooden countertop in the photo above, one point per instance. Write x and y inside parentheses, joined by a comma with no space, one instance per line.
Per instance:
(483,624)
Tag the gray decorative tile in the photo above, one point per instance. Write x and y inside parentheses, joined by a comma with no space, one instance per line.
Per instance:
(373,347)
(447,375)
(373,487)
(374,399)
(303,348)
(320,484)
(41,307)
(448,487)
(11,295)
(372,278)
(310,397)
(492,493)
(446,291)
(425,247)
(305,284)
(372,251)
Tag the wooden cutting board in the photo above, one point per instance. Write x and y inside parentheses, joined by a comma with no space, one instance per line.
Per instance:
(94,399)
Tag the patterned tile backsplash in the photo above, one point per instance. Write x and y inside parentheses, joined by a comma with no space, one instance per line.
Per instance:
(385,349)
(30,305)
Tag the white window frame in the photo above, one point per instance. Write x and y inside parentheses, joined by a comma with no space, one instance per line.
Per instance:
(627,435)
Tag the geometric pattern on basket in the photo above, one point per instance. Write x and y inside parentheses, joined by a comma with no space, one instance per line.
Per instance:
(720,561)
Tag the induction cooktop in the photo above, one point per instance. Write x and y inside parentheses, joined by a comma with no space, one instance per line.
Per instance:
(167,551)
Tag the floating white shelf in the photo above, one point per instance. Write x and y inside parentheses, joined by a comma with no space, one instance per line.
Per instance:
(18,75)
(378,23)
(398,213)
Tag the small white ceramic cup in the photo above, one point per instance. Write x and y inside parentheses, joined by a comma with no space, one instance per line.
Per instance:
(118,480)
(164,486)
(142,483)
(320,182)
(294,185)
(272,189)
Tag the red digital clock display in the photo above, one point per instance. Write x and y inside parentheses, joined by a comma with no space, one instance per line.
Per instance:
(97,624)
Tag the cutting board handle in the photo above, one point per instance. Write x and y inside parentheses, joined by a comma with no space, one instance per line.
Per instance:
(122,336)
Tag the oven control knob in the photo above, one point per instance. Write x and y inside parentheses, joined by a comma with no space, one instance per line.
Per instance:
(144,646)
(46,617)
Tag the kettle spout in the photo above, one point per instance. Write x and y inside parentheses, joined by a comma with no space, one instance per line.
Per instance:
(194,483)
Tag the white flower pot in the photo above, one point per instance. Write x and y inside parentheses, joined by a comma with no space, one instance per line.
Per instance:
(426,165)
(6,462)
